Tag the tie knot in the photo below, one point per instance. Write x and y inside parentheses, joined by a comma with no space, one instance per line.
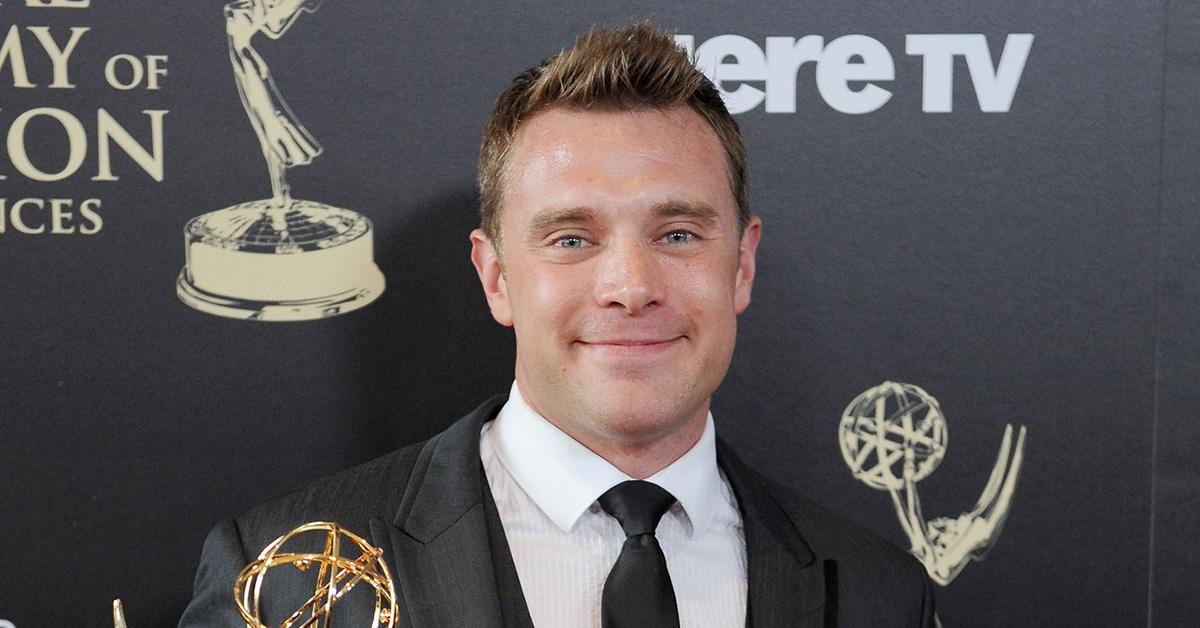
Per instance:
(637,505)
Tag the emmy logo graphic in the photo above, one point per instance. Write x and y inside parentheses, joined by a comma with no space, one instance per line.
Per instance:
(276,259)
(893,436)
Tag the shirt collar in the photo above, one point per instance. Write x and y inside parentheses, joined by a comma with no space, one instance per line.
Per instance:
(564,478)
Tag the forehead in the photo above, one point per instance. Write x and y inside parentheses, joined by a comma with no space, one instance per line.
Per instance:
(615,160)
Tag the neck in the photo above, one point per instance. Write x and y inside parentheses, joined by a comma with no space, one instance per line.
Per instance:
(637,451)
(642,460)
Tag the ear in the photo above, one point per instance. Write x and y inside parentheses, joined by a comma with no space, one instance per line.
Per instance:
(745,272)
(486,259)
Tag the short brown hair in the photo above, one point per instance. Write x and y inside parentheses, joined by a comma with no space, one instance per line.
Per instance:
(608,69)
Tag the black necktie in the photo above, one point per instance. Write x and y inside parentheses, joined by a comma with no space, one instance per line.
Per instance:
(638,591)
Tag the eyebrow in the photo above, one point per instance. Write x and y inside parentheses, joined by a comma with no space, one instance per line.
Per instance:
(699,212)
(549,219)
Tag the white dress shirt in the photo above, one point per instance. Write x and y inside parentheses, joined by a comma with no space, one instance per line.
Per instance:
(546,485)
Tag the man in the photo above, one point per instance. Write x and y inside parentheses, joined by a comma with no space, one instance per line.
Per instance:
(617,241)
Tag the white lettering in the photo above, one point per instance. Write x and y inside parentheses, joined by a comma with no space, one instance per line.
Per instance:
(59,217)
(785,56)
(18,221)
(995,87)
(76,139)
(12,53)
(62,222)
(135,67)
(848,70)
(155,69)
(836,70)
(87,210)
(58,56)
(108,130)
(748,64)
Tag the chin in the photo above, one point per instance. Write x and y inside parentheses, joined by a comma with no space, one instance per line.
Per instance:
(638,413)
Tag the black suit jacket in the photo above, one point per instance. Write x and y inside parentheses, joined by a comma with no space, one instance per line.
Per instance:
(426,506)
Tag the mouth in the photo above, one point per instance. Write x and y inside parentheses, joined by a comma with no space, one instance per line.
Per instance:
(631,347)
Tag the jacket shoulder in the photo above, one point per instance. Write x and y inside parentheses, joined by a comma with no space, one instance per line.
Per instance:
(898,582)
(350,498)
(831,535)
(824,533)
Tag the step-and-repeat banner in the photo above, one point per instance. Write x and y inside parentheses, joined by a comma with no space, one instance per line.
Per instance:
(233,258)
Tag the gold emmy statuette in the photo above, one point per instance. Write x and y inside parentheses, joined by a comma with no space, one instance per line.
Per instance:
(276,259)
(893,436)
(336,575)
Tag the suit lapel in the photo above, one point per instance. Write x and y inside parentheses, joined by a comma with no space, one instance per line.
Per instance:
(786,583)
(437,544)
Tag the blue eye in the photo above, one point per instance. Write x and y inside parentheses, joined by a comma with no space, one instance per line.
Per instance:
(679,237)
(569,242)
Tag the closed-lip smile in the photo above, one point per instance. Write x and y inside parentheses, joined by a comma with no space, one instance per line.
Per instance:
(631,346)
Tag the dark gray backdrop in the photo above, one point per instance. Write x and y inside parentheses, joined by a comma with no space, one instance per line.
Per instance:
(1035,267)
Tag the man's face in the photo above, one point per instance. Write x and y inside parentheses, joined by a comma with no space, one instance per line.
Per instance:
(621,270)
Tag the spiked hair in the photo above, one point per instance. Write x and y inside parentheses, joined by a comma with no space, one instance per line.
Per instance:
(626,68)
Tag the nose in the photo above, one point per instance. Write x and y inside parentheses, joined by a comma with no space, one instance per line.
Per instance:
(629,277)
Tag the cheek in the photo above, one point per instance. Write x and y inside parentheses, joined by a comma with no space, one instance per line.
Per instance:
(545,299)
(704,289)
(706,295)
